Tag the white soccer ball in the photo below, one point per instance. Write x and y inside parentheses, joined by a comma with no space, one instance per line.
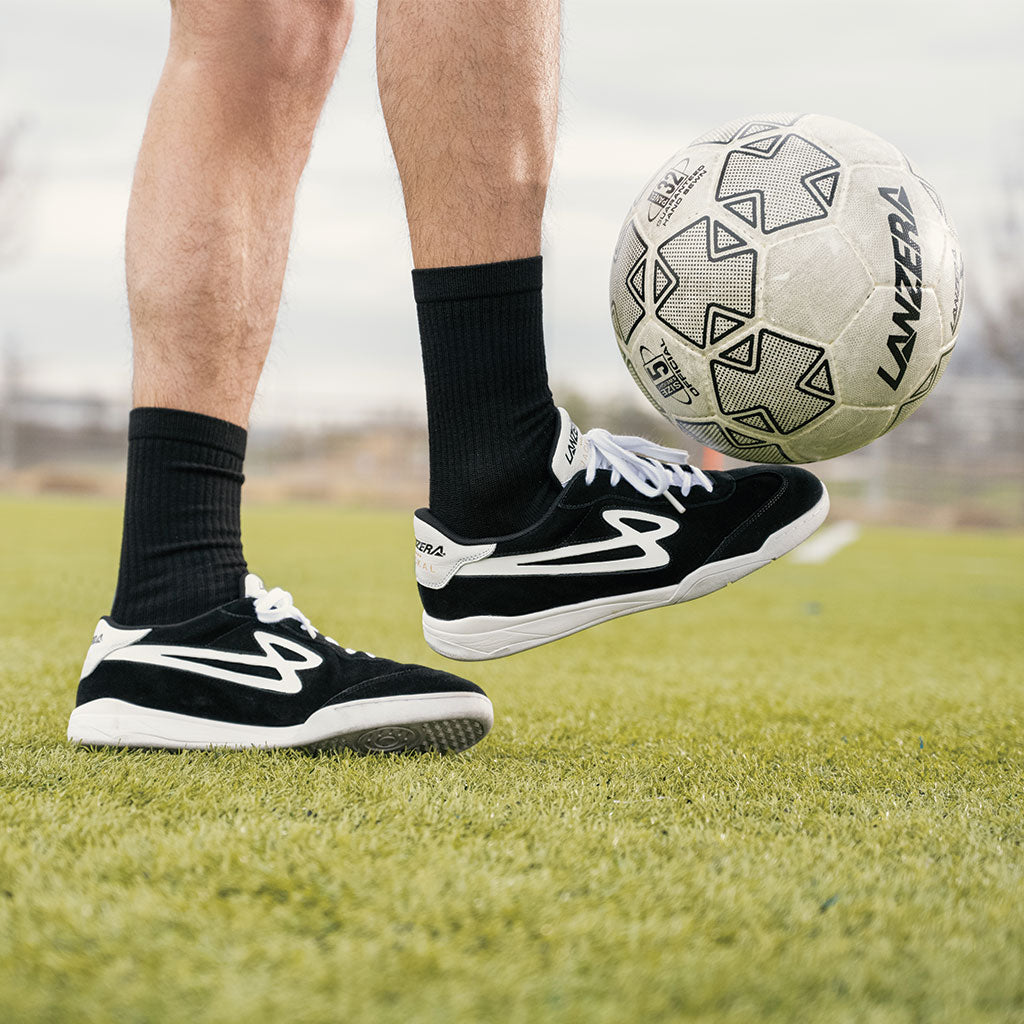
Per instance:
(787,288)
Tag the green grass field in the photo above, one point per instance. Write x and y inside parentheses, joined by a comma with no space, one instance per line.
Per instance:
(800,799)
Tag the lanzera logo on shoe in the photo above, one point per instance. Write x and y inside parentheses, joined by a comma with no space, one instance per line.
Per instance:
(553,562)
(205,662)
(574,436)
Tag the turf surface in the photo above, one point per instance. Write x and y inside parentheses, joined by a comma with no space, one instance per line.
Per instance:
(798,799)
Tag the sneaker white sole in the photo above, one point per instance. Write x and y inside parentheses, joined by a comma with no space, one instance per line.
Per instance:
(482,637)
(437,721)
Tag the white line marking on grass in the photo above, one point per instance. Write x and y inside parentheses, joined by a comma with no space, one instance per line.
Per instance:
(826,543)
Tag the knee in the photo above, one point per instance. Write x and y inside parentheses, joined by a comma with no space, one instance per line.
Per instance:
(295,44)
(305,39)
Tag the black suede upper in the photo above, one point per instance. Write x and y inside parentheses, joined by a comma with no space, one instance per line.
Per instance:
(341,677)
(745,507)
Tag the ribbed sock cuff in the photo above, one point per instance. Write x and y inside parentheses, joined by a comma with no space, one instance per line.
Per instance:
(188,427)
(479,281)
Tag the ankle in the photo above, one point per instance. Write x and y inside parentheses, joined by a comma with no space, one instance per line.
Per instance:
(490,414)
(494,497)
(181,550)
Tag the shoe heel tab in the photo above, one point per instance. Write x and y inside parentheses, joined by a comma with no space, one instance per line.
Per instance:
(107,638)
(571,451)
(438,557)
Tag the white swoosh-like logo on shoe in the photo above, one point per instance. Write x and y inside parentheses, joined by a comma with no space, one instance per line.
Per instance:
(207,662)
(543,563)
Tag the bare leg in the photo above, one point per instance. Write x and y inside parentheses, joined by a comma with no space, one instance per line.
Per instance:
(208,229)
(210,216)
(207,242)
(470,95)
(469,90)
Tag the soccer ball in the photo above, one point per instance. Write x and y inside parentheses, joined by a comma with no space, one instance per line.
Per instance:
(787,288)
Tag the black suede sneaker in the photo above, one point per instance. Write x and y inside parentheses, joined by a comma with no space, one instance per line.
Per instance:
(255,673)
(635,527)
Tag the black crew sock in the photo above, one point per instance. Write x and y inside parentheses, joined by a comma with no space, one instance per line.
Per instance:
(490,414)
(181,551)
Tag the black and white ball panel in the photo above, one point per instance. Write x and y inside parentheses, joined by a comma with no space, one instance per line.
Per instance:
(787,288)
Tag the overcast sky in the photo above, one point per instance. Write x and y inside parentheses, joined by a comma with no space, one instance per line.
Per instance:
(943,80)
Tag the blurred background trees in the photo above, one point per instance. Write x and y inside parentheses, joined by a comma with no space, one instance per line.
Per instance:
(997,281)
(10,197)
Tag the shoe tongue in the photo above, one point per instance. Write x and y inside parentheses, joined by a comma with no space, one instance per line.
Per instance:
(572,450)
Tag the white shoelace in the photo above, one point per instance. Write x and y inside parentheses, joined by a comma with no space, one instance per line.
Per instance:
(649,468)
(277,604)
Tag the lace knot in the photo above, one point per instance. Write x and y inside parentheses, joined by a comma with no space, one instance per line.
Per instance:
(649,468)
(277,605)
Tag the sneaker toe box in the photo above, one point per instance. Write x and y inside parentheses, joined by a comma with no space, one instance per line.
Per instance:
(405,681)
(775,497)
